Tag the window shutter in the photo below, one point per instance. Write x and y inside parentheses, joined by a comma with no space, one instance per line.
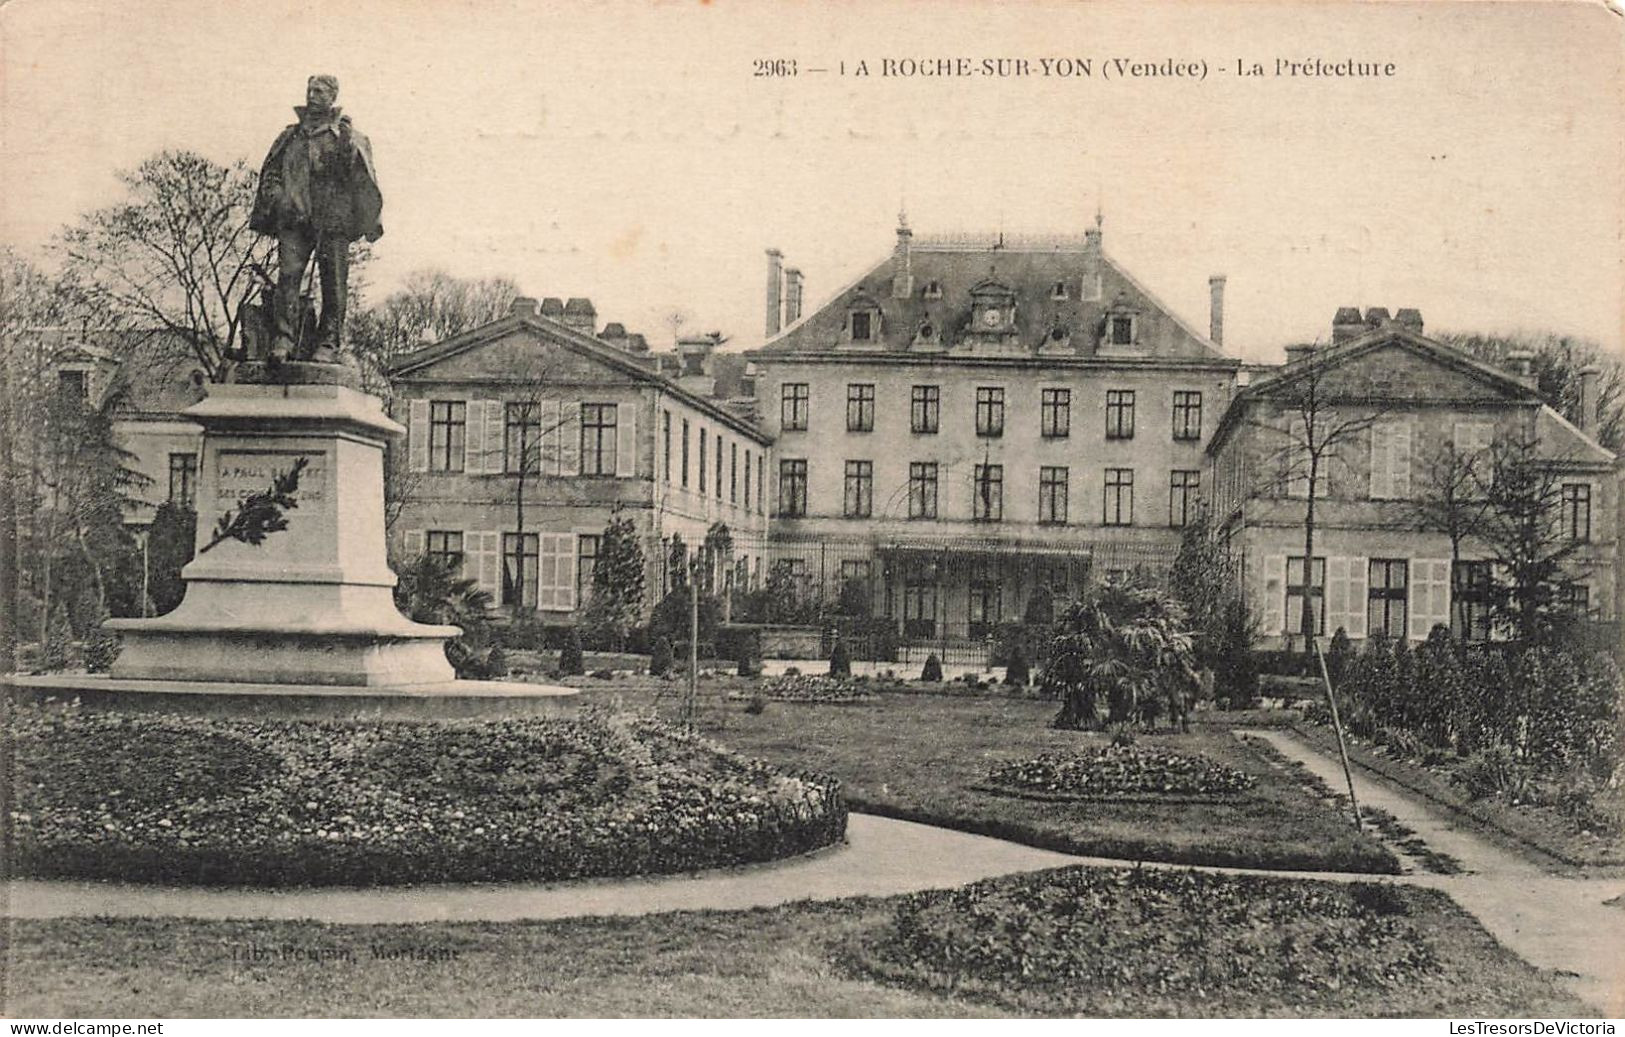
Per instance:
(549,417)
(485,547)
(547,572)
(495,420)
(474,438)
(1295,454)
(417,435)
(1399,460)
(413,543)
(626,440)
(1274,596)
(1430,595)
(1358,575)
(1337,594)
(1381,472)
(570,438)
(566,592)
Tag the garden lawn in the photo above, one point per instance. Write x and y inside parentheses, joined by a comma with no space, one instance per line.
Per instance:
(1426,958)
(921,758)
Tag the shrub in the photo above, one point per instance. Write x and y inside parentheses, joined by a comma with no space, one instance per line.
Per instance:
(840,664)
(808,688)
(215,801)
(670,618)
(101,650)
(1017,672)
(1490,771)
(1338,653)
(755,704)
(660,660)
(1121,734)
(932,671)
(58,640)
(1103,771)
(570,661)
(750,654)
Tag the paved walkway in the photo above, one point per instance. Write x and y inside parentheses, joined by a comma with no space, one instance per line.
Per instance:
(1556,922)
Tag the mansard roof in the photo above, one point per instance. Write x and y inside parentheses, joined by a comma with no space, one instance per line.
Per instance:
(1029,268)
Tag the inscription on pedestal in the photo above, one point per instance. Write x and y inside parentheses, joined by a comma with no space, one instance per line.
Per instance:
(244,473)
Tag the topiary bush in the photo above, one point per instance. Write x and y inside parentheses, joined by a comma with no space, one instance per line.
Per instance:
(840,663)
(750,654)
(570,661)
(932,671)
(660,658)
(102,650)
(1017,672)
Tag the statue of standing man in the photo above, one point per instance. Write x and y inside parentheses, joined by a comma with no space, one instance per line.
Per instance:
(318,192)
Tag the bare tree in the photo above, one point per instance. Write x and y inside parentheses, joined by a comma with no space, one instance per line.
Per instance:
(176,255)
(430,306)
(1449,498)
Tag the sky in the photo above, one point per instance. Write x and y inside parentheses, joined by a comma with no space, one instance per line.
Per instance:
(626,151)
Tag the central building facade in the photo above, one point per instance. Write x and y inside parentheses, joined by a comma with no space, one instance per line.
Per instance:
(979,417)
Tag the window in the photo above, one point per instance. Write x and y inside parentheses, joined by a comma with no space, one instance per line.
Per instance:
(73,384)
(922,490)
(932,290)
(855,579)
(520,555)
(860,489)
(761,482)
(719,466)
(1052,483)
(183,479)
(860,408)
(1058,290)
(1576,599)
(747,479)
(925,406)
(733,473)
(1055,413)
(989,411)
(988,502)
(1387,593)
(862,326)
(701,485)
(985,601)
(1122,331)
(586,561)
(521,438)
(1119,497)
(598,434)
(1577,511)
(1470,585)
(665,444)
(1119,413)
(919,607)
(793,488)
(685,453)
(793,407)
(1187,415)
(1299,589)
(445,548)
(448,424)
(1184,494)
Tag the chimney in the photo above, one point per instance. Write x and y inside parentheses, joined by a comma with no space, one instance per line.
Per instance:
(775,281)
(1299,352)
(902,267)
(1215,313)
(1347,325)
(523,306)
(792,296)
(1092,262)
(580,315)
(1586,405)
(1376,317)
(1410,319)
(614,334)
(1522,364)
(553,309)
(694,353)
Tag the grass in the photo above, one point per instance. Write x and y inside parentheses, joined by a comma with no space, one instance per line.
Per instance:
(800,960)
(920,758)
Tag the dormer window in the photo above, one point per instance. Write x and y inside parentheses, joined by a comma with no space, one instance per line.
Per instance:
(932,290)
(993,308)
(1058,290)
(1122,324)
(862,327)
(1121,330)
(73,385)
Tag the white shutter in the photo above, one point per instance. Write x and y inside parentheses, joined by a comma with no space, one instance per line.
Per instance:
(1399,460)
(413,545)
(549,417)
(626,440)
(474,437)
(1381,471)
(1429,595)
(495,427)
(1337,594)
(570,438)
(1358,574)
(547,572)
(484,550)
(1274,594)
(417,436)
(566,593)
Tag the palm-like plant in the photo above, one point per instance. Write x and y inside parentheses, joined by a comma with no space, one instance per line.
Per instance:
(432,591)
(1123,653)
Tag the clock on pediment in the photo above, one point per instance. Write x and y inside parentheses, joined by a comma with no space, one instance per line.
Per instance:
(993,308)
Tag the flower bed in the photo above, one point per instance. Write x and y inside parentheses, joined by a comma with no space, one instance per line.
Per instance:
(1086,940)
(1116,770)
(806,687)
(227,801)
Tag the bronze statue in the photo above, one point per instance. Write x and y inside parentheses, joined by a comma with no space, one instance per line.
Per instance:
(318,192)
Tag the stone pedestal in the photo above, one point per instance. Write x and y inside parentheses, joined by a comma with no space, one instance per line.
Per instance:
(312,604)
